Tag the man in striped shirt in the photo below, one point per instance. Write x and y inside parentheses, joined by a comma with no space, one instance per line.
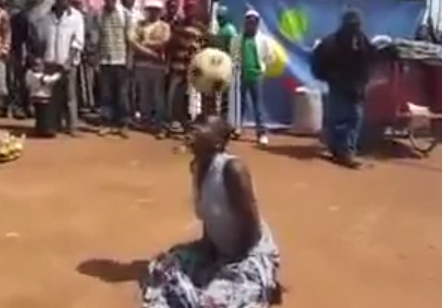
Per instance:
(188,36)
(114,25)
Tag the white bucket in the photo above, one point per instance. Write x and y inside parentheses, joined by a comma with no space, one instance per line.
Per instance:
(307,111)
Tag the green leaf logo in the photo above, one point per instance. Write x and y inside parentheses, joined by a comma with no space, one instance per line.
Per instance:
(293,24)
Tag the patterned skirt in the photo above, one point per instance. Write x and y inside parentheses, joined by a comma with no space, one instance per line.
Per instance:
(184,278)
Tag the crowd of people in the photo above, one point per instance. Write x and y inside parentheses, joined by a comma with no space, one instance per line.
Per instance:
(128,64)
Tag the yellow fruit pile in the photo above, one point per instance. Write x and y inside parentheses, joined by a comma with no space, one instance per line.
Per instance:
(11,147)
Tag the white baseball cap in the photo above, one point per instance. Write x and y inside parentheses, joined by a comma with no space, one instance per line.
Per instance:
(155,4)
(252,13)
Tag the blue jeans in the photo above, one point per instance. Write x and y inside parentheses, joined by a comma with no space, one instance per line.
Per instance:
(254,90)
(343,122)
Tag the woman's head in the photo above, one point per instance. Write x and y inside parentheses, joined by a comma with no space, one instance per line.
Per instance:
(210,135)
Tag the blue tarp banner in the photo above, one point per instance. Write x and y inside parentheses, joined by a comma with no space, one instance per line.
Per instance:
(294,26)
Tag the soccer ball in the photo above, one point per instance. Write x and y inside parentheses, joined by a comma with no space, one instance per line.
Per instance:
(210,70)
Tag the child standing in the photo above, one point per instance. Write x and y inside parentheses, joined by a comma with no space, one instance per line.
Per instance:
(40,85)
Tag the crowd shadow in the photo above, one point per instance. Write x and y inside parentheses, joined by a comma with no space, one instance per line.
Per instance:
(20,129)
(28,130)
(389,148)
(112,271)
(417,165)
(301,152)
(385,149)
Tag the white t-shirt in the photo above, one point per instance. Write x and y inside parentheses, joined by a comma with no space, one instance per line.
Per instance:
(40,85)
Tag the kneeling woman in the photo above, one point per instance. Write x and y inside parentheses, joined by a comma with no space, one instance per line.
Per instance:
(235,263)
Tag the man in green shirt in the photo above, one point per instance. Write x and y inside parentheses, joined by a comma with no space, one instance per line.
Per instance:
(255,54)
(226,29)
(226,32)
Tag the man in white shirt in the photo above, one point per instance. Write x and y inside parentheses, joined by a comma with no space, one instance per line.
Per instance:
(61,32)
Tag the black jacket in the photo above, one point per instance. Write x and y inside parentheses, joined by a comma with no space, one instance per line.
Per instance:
(343,62)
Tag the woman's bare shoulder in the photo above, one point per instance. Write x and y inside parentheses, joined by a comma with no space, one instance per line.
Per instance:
(235,168)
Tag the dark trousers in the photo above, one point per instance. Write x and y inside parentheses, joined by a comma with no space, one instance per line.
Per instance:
(114,90)
(45,119)
(64,100)
(85,87)
(253,90)
(19,96)
(133,93)
(151,99)
(343,122)
(178,100)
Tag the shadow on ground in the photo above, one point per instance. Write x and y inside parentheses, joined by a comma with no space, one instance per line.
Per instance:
(390,149)
(112,271)
(19,129)
(302,152)
(27,129)
(380,150)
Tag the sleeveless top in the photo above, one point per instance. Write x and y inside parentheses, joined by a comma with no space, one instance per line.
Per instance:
(212,206)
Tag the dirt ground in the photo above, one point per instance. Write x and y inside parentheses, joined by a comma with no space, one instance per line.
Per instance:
(75,214)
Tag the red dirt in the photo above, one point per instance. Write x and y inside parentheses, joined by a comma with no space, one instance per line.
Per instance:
(367,239)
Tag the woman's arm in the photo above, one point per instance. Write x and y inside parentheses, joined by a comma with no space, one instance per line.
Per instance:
(238,183)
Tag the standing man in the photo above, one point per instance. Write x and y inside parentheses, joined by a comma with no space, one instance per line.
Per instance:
(5,44)
(136,15)
(342,60)
(172,8)
(133,9)
(85,72)
(188,37)
(114,25)
(23,45)
(251,53)
(226,32)
(61,33)
(148,41)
